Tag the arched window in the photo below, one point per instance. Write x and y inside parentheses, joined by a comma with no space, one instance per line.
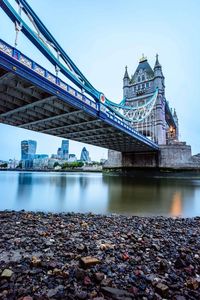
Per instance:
(138,78)
(143,78)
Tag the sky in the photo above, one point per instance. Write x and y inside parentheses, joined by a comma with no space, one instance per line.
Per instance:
(102,37)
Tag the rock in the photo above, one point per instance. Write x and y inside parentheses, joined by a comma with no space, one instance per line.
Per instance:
(193,283)
(99,276)
(162,289)
(87,280)
(7,273)
(115,293)
(79,274)
(82,295)
(89,261)
(35,261)
(106,282)
(106,246)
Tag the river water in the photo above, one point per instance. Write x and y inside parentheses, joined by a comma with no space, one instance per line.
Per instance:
(97,193)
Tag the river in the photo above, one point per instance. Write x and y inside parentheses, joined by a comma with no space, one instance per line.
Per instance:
(97,193)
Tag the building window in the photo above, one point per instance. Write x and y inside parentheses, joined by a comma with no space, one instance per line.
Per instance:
(143,78)
(134,88)
(138,78)
(143,85)
(147,85)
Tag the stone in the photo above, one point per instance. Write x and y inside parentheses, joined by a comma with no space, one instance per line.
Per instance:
(115,293)
(162,289)
(82,295)
(7,273)
(89,261)
(35,261)
(106,246)
(99,276)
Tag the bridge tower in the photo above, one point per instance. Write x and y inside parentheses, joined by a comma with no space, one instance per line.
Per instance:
(160,126)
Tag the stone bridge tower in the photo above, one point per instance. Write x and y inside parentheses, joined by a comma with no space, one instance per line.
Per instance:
(161,125)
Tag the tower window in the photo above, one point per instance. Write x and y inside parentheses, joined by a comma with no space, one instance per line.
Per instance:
(143,77)
(138,78)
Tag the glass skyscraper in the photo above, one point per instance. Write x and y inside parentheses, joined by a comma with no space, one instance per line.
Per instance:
(28,149)
(65,149)
(85,155)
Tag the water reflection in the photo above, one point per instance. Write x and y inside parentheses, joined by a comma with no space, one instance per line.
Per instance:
(84,192)
(151,196)
(176,207)
(24,187)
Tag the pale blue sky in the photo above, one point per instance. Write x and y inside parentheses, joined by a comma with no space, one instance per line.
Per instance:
(103,36)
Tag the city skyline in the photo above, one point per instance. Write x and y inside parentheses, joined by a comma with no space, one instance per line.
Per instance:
(143,28)
(28,150)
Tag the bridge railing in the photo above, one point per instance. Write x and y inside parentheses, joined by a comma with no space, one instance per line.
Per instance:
(29,63)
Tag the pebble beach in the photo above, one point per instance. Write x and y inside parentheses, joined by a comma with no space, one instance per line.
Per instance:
(88,256)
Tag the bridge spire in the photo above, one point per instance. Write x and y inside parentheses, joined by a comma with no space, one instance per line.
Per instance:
(126,73)
(157,64)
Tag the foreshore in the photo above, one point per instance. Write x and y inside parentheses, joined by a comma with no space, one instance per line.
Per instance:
(88,256)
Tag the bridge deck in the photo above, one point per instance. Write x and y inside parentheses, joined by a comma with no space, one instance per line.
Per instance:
(33,98)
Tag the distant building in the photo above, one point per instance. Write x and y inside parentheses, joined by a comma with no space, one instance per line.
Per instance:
(102,161)
(72,158)
(59,153)
(65,149)
(40,161)
(13,163)
(85,155)
(28,149)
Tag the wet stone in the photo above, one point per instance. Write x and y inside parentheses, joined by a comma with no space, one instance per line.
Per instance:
(89,261)
(87,256)
(162,289)
(7,273)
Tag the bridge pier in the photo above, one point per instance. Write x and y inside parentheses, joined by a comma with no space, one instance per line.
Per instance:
(175,156)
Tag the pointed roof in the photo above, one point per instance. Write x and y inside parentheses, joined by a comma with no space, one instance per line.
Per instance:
(143,65)
(157,64)
(126,73)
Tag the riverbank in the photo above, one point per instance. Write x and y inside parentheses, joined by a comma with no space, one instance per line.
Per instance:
(76,256)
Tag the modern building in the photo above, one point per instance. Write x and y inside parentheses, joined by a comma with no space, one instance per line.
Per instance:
(72,158)
(65,149)
(40,161)
(28,149)
(161,124)
(85,155)
(59,153)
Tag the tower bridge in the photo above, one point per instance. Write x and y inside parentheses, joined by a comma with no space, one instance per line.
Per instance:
(141,130)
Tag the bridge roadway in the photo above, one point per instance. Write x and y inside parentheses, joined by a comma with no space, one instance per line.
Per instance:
(35,99)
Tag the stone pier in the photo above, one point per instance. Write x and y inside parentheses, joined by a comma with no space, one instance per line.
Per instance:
(175,156)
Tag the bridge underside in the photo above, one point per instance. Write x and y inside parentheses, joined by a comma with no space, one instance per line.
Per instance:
(30,104)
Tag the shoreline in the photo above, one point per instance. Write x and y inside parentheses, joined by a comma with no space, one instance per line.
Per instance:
(45,256)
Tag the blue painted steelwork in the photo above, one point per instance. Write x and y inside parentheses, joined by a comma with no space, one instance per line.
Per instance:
(75,74)
(43,39)
(16,62)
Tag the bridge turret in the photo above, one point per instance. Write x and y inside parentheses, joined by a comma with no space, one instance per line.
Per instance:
(126,83)
(177,126)
(159,79)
